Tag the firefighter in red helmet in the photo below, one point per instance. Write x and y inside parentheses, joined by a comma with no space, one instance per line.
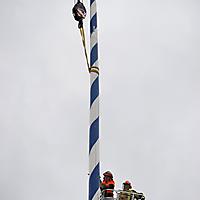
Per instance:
(128,194)
(106,184)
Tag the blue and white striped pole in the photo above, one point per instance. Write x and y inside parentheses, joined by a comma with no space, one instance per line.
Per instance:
(94,166)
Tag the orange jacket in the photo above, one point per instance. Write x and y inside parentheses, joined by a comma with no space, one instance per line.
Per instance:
(108,185)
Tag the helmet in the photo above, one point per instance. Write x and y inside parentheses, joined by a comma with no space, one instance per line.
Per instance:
(127,183)
(108,174)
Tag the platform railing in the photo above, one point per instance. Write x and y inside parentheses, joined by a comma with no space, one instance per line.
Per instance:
(122,195)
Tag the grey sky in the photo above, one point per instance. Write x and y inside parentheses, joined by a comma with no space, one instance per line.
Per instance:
(150,99)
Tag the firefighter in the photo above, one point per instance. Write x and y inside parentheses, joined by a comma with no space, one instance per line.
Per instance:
(106,184)
(128,194)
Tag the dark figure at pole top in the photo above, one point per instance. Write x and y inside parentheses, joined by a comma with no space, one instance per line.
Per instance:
(106,184)
(79,12)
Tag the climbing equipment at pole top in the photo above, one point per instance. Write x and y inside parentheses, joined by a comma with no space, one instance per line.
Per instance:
(79,12)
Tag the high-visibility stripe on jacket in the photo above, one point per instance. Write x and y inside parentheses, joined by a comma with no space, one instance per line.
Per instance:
(108,185)
(126,195)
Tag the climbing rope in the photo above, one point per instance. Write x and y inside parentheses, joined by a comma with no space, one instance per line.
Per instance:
(82,32)
(92,68)
(79,13)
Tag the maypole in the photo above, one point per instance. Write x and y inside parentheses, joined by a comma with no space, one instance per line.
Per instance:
(94,166)
(79,13)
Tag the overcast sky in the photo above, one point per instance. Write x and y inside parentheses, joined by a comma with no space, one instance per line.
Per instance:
(149,106)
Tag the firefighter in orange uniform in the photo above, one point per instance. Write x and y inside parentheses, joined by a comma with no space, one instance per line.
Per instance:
(106,184)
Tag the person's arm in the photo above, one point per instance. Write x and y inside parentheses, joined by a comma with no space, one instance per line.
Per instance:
(139,195)
(102,186)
